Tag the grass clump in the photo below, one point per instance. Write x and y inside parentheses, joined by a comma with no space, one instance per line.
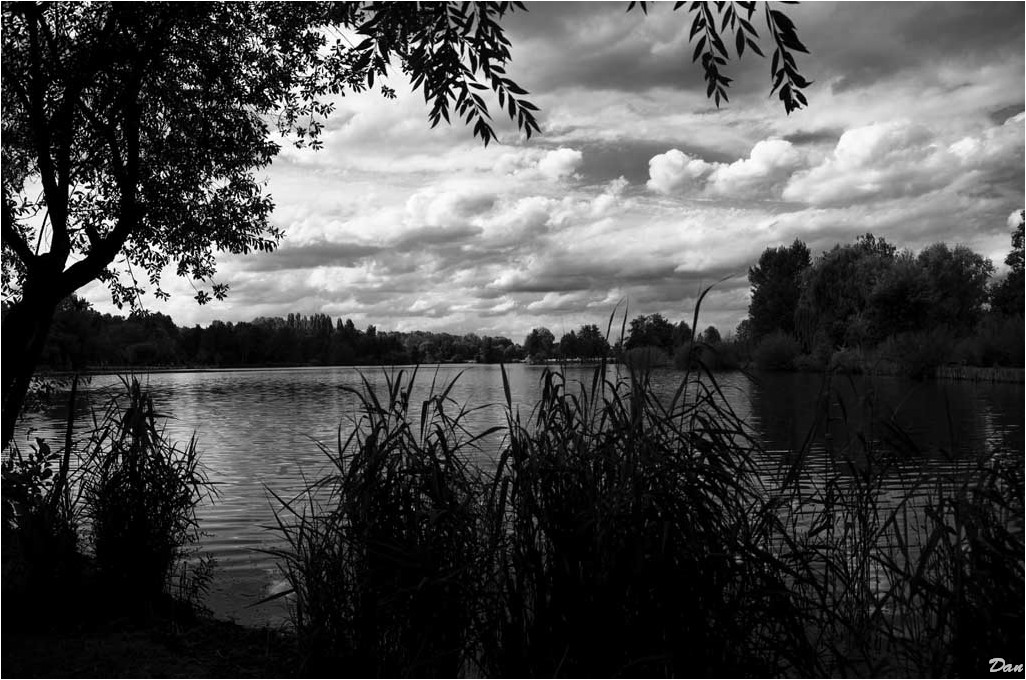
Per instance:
(141,492)
(632,539)
(383,554)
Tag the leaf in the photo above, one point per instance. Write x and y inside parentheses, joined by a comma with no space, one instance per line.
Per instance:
(698,48)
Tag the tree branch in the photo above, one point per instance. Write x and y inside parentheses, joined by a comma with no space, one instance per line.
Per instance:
(12,239)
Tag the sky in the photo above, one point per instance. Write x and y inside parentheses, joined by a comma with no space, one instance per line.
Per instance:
(639,192)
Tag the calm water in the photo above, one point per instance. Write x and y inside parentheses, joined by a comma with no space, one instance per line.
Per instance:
(259,430)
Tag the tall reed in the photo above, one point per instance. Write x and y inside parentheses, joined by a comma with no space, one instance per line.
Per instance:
(141,492)
(383,554)
(621,533)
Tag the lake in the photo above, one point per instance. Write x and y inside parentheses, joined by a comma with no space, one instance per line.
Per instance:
(258,429)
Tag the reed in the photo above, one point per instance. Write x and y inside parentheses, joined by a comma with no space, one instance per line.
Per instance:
(622,534)
(383,555)
(140,495)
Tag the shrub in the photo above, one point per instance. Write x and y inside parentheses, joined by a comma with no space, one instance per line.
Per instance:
(919,353)
(722,356)
(645,358)
(777,352)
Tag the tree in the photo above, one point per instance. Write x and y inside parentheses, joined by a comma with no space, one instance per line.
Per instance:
(1006,296)
(900,300)
(711,336)
(957,285)
(539,343)
(776,287)
(650,331)
(148,155)
(569,346)
(837,287)
(591,343)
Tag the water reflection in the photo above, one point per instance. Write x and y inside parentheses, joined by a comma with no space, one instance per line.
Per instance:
(259,430)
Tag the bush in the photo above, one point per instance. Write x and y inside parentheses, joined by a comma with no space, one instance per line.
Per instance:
(645,358)
(997,341)
(777,352)
(919,354)
(722,356)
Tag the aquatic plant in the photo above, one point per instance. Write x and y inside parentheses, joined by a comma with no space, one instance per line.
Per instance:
(140,494)
(618,533)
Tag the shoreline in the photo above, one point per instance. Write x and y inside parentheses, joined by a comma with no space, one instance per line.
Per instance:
(950,372)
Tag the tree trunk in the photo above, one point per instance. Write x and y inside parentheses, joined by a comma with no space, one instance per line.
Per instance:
(25,329)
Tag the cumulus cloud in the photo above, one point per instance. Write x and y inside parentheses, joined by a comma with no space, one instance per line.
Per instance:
(901,158)
(674,170)
(767,166)
(560,163)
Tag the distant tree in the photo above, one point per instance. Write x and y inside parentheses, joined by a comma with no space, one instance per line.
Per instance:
(957,284)
(836,289)
(1007,295)
(539,343)
(776,288)
(711,336)
(743,332)
(592,342)
(681,334)
(900,300)
(650,331)
(569,346)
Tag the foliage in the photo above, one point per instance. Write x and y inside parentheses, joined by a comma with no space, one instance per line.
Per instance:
(776,352)
(539,344)
(919,353)
(837,287)
(652,331)
(141,493)
(41,558)
(776,287)
(383,554)
(957,285)
(1006,296)
(867,295)
(709,26)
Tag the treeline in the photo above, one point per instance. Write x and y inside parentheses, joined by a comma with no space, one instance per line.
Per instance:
(82,338)
(869,303)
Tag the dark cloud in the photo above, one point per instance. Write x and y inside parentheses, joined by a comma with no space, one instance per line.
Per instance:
(415,239)
(862,43)
(999,116)
(316,254)
(812,137)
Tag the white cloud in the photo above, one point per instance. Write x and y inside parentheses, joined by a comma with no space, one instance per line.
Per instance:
(560,163)
(901,158)
(767,166)
(674,170)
